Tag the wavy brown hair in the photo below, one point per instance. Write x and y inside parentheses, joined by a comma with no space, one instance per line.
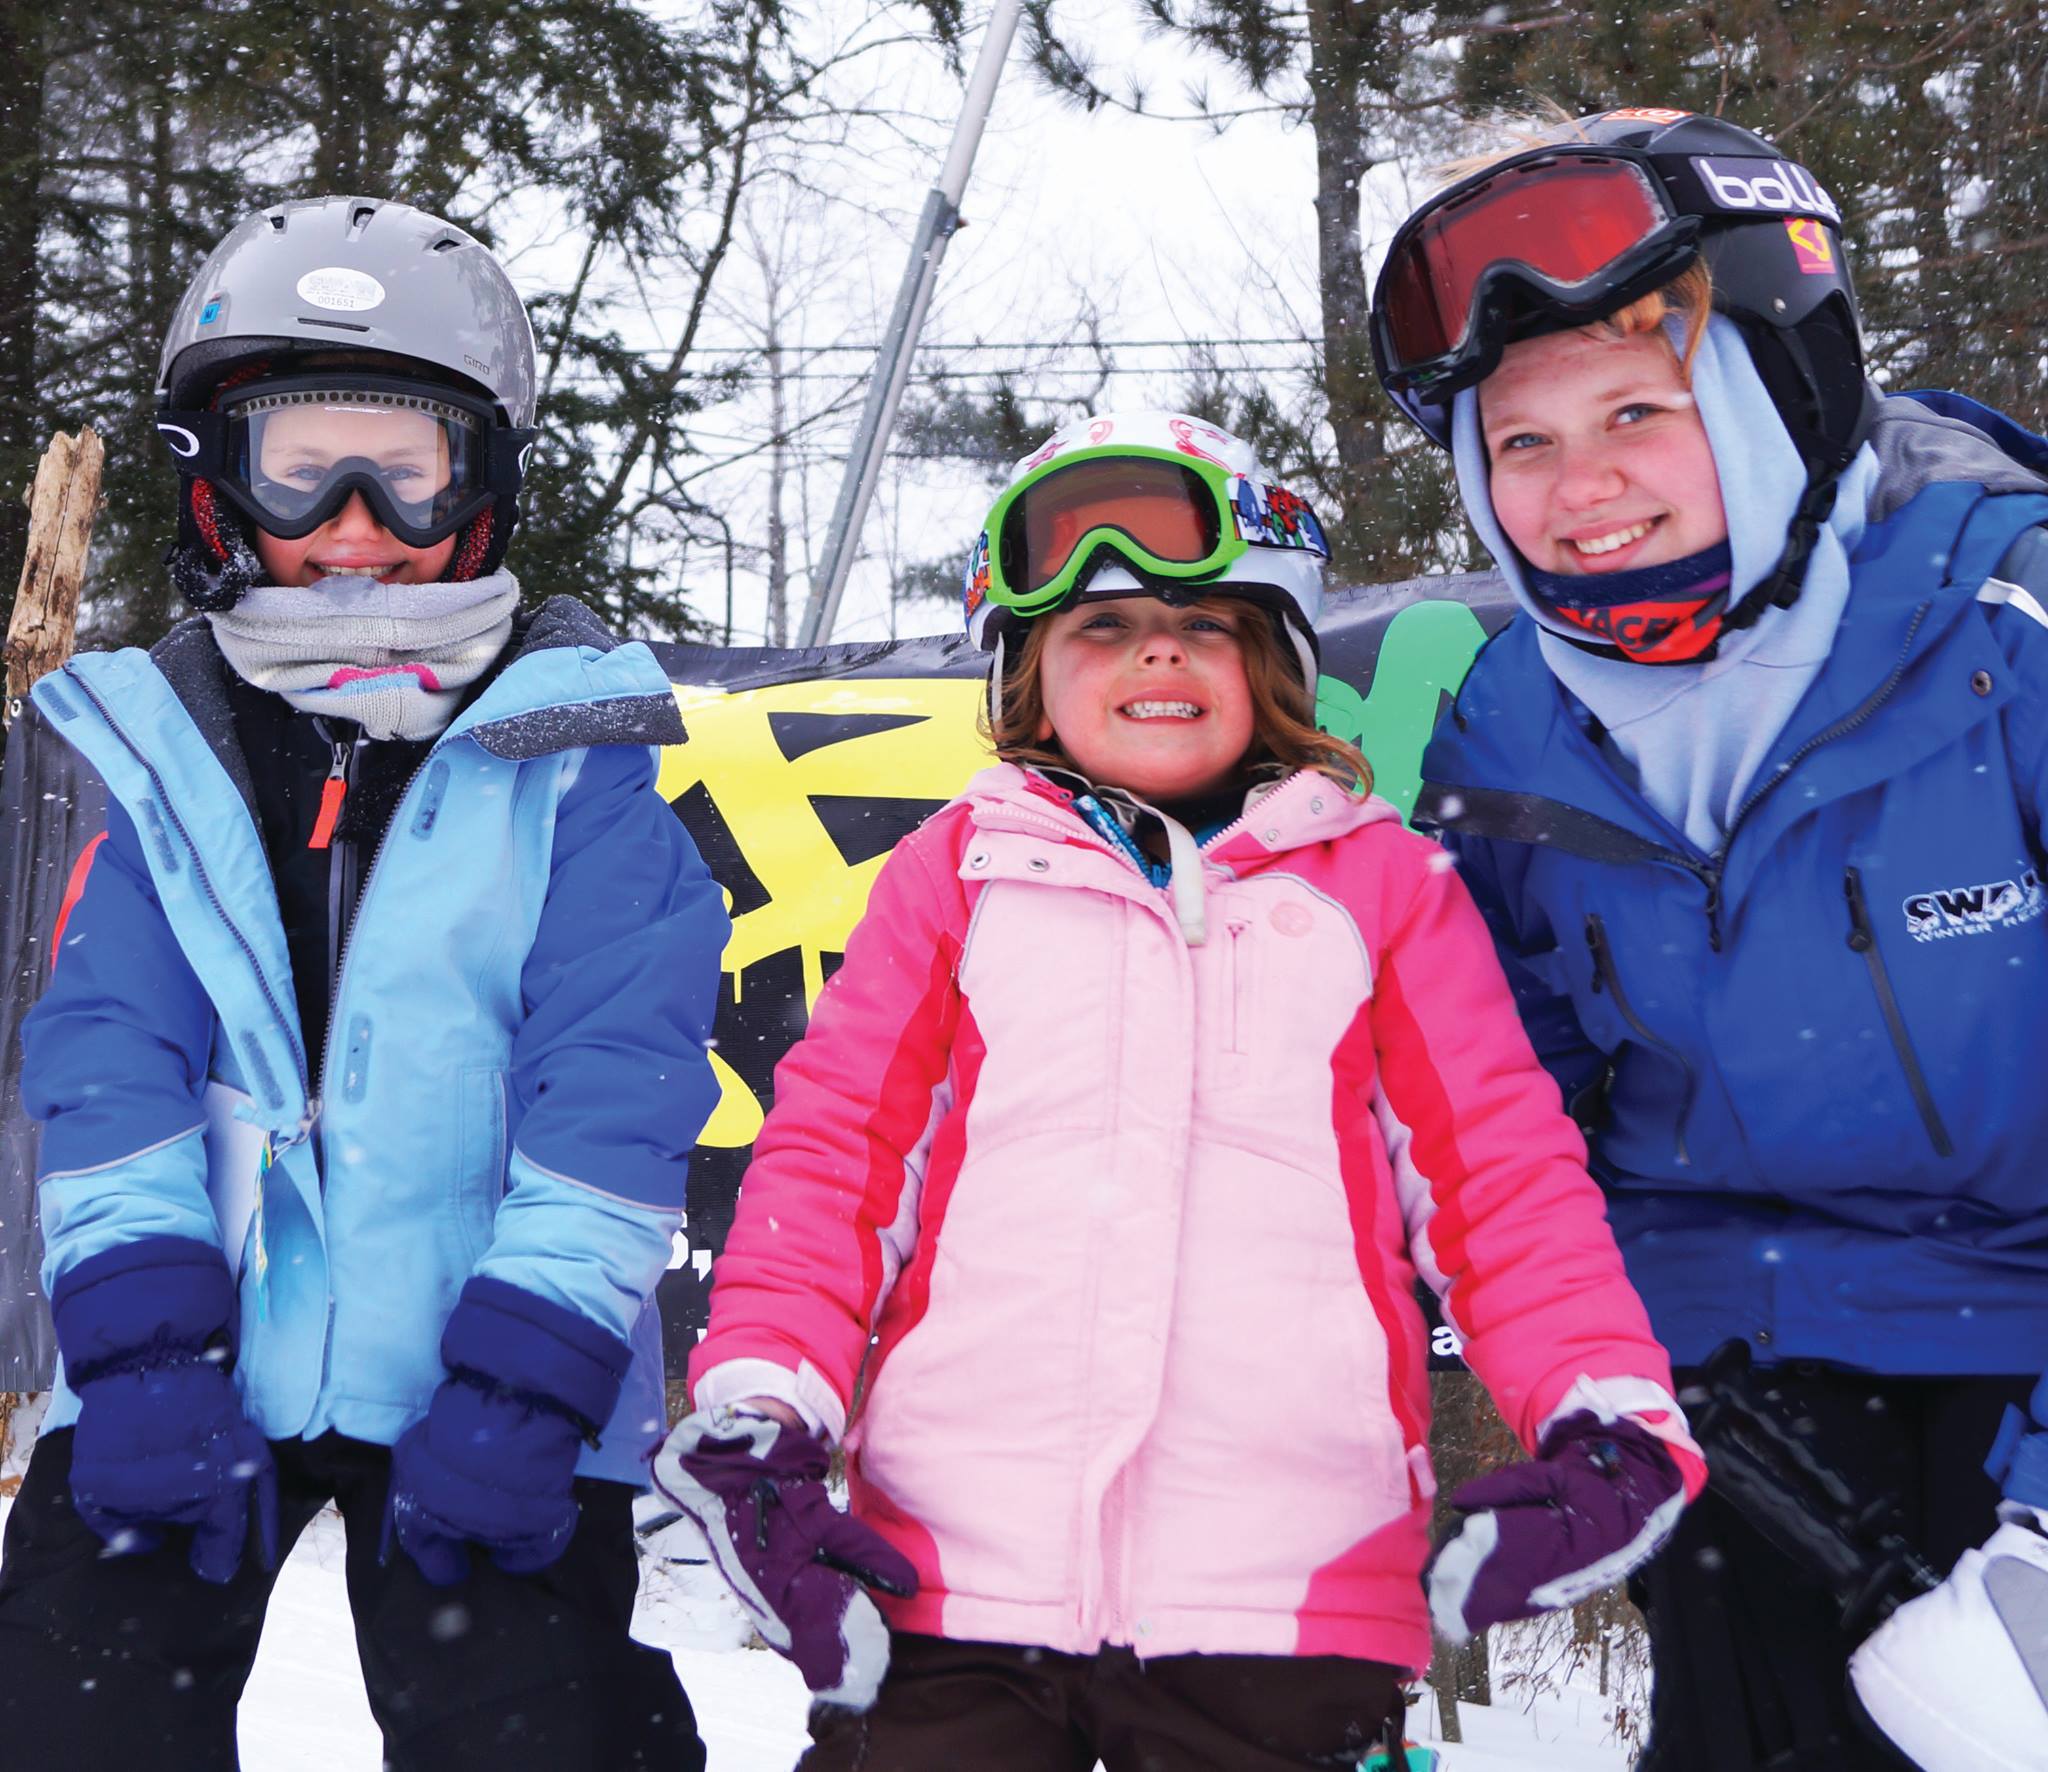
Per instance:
(1284,729)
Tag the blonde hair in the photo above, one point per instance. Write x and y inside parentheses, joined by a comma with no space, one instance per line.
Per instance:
(1284,729)
(1689,296)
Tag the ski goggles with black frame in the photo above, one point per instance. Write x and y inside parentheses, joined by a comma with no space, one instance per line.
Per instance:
(288,453)
(1567,232)
(1177,519)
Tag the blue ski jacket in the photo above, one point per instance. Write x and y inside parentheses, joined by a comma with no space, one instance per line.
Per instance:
(516,1062)
(1814,1064)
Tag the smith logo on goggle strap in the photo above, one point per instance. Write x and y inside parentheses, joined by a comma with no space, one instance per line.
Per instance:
(1272,517)
(1773,187)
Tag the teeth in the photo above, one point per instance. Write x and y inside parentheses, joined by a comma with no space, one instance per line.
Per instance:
(1606,544)
(1162,710)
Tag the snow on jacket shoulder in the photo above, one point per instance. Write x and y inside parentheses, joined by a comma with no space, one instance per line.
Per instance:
(1137,1224)
(1813,1059)
(516,1071)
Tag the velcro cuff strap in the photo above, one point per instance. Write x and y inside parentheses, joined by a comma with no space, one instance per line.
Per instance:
(2018,1463)
(167,1295)
(508,1336)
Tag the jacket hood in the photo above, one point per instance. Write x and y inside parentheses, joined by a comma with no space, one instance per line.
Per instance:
(1924,440)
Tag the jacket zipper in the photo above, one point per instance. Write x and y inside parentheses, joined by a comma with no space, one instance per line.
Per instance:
(286,1024)
(341,855)
(355,916)
(1863,940)
(1607,976)
(1841,728)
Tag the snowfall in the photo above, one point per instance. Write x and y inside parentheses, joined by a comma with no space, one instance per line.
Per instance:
(304,1709)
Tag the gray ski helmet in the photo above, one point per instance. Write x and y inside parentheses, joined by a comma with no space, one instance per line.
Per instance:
(352,274)
(339,274)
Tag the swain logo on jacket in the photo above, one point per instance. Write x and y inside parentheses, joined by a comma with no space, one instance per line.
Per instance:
(1975,910)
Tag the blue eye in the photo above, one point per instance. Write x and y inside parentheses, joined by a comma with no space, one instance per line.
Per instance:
(1636,410)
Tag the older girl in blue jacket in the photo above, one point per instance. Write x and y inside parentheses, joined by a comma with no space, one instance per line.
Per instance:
(1752,796)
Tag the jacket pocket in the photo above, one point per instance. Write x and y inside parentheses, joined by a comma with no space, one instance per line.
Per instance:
(1607,977)
(1238,932)
(1863,940)
(481,1180)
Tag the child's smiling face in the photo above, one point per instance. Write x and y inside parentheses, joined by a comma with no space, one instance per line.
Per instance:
(300,444)
(1599,459)
(1146,696)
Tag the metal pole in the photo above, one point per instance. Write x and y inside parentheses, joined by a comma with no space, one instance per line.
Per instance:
(899,343)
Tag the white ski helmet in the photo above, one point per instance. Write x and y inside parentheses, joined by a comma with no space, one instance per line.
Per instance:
(1143,503)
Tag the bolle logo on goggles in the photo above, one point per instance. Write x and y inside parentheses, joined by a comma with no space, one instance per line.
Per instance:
(1273,517)
(1776,187)
(180,441)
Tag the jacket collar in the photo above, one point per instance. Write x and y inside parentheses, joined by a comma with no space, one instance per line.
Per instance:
(1305,808)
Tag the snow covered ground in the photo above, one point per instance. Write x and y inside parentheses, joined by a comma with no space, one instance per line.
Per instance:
(305,1712)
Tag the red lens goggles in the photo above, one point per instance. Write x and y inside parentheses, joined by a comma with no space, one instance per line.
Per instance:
(1574,228)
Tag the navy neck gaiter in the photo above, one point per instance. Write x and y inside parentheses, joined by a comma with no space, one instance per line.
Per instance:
(1668,614)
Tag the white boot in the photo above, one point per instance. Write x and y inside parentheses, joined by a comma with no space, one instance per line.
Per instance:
(1958,1679)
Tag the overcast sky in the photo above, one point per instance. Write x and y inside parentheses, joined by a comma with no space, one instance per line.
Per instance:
(1166,230)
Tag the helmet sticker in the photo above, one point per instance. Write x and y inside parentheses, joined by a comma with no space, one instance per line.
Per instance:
(1184,433)
(340,290)
(1272,517)
(1811,246)
(211,312)
(1645,114)
(974,582)
(1749,185)
(1099,431)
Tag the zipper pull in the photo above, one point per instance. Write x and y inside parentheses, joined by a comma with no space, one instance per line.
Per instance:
(1861,937)
(332,791)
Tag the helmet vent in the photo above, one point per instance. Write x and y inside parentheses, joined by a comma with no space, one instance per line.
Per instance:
(359,218)
(333,325)
(446,243)
(277,222)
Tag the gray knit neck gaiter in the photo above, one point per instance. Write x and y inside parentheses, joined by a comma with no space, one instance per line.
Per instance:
(395,658)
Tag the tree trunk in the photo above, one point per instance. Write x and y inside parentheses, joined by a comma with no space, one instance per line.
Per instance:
(1339,60)
(1466,1440)
(44,623)
(22,26)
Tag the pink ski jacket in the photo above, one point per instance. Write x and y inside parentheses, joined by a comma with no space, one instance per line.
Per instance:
(1134,1223)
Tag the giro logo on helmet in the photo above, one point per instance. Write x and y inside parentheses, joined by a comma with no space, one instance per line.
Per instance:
(1786,188)
(340,290)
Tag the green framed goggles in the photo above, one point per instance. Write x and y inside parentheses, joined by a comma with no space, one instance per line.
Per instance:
(1177,518)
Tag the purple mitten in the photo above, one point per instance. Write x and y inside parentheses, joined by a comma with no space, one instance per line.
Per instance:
(757,1490)
(1595,1502)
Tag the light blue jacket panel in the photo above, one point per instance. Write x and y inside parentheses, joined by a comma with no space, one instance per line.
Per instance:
(516,1064)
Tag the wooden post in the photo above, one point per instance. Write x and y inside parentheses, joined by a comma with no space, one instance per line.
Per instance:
(62,506)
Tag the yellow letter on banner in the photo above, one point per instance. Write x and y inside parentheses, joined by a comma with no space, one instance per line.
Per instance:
(814,896)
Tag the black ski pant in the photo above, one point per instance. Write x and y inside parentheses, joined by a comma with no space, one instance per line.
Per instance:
(1750,1659)
(115,1663)
(996,1707)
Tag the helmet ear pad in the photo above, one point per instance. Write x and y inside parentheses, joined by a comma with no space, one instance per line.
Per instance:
(213,561)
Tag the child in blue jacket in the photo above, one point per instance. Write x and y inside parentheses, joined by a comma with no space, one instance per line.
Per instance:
(370,1064)
(1752,797)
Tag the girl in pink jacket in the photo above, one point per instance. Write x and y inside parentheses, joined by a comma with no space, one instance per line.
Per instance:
(1090,1212)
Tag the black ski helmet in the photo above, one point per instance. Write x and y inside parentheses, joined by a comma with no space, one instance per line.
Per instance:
(1769,235)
